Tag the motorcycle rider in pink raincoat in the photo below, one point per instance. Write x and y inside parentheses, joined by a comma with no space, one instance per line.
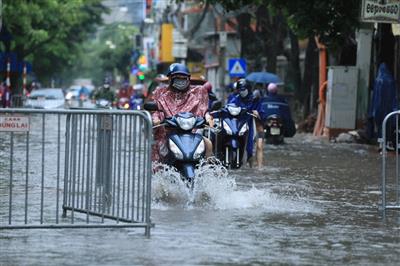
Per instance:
(178,96)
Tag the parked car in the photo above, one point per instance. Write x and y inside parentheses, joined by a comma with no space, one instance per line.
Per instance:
(49,98)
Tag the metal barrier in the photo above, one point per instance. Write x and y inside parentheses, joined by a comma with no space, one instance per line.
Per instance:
(75,169)
(390,179)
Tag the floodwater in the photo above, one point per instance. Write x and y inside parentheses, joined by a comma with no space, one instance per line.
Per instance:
(314,203)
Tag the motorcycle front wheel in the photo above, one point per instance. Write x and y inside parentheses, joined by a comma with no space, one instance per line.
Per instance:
(232,158)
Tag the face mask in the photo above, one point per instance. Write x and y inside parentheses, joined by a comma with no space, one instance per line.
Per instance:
(180,84)
(244,93)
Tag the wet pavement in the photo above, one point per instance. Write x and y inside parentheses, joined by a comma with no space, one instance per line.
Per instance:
(314,203)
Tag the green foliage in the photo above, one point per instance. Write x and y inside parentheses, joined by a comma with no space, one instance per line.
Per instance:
(107,54)
(49,32)
(332,20)
(117,41)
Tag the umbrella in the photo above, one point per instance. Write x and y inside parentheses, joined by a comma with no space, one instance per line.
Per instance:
(264,78)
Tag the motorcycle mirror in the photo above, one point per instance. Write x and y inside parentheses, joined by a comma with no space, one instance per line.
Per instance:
(216,105)
(150,106)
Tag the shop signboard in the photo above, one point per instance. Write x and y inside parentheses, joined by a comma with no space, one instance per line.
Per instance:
(381,11)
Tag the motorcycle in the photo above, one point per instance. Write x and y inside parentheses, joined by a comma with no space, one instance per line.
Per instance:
(185,147)
(123,103)
(136,103)
(234,128)
(103,104)
(274,130)
(133,103)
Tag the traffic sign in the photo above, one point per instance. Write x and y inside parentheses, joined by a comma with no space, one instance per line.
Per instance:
(237,67)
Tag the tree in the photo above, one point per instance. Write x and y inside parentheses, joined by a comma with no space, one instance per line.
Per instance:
(109,53)
(48,32)
(117,42)
(334,22)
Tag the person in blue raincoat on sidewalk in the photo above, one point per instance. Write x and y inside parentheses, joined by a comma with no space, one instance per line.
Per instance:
(246,99)
(384,101)
(273,103)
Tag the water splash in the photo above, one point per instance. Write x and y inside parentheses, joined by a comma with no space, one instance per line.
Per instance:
(214,188)
(167,187)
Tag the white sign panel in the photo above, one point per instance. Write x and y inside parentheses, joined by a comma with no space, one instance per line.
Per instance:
(396,29)
(179,50)
(381,11)
(223,38)
(178,37)
(14,123)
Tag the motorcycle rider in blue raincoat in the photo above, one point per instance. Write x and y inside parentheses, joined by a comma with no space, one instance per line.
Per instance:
(246,99)
(234,92)
(277,104)
(384,101)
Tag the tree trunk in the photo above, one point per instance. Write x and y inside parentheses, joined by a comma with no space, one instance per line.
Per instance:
(246,34)
(16,90)
(272,30)
(385,46)
(294,64)
(309,85)
(397,61)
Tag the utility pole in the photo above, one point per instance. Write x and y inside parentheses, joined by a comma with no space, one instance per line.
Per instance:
(222,59)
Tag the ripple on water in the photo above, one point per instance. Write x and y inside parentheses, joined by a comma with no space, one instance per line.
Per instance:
(214,188)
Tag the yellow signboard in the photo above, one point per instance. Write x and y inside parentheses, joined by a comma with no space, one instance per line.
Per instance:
(166,43)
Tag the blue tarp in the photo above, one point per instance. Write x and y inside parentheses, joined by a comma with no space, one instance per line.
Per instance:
(384,98)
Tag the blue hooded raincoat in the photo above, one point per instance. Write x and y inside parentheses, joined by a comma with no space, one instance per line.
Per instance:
(384,98)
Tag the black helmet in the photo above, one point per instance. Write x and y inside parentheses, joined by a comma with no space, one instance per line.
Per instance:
(243,87)
(177,68)
(242,84)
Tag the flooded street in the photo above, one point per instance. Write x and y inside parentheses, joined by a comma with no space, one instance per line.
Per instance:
(313,203)
(94,93)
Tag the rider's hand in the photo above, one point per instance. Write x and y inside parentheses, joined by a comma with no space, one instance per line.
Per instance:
(256,113)
(209,120)
(156,122)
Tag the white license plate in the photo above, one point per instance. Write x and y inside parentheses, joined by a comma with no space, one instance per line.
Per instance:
(275,131)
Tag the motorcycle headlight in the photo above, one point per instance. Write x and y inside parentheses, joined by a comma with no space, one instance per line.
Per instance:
(243,130)
(175,150)
(199,150)
(234,111)
(227,128)
(186,123)
(126,106)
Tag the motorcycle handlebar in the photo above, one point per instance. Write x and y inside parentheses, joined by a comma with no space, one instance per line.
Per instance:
(159,125)
(249,113)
